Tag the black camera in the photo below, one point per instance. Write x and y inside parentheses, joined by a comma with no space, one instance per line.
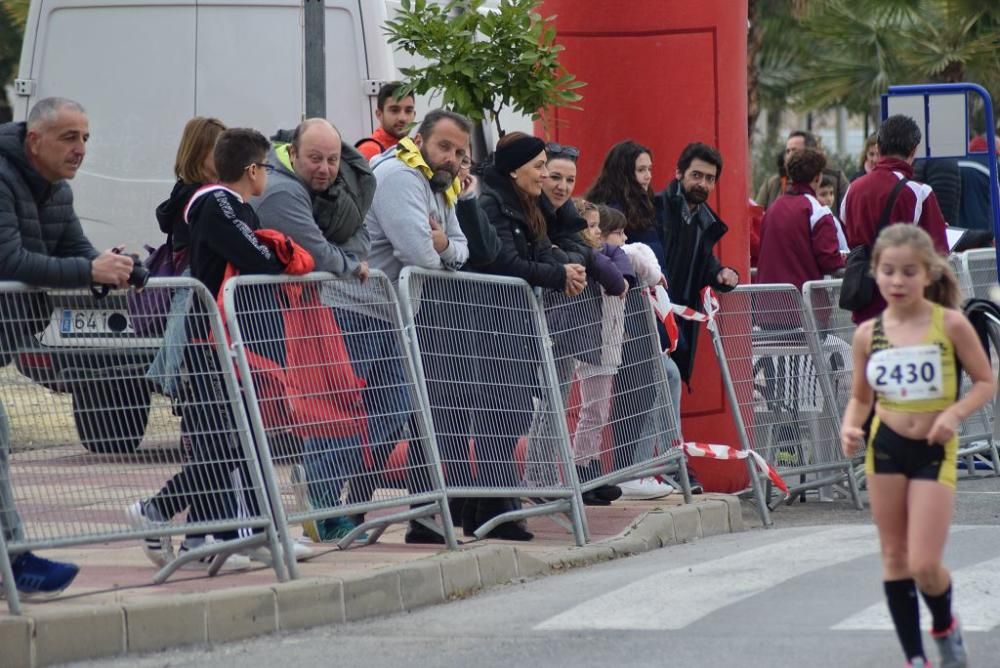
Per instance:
(140,274)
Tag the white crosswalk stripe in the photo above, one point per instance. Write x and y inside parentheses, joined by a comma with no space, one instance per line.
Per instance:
(677,597)
(977,602)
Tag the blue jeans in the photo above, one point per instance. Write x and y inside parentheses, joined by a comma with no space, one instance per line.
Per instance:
(376,356)
(661,423)
(329,462)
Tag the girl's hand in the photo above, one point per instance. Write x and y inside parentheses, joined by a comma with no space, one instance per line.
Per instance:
(852,440)
(944,428)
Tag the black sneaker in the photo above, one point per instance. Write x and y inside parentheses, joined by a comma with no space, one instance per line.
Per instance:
(418,534)
(696,487)
(592,498)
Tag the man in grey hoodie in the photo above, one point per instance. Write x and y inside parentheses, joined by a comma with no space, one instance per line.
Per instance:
(412,220)
(318,195)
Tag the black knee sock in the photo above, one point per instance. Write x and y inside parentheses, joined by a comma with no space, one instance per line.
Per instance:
(940,607)
(905,610)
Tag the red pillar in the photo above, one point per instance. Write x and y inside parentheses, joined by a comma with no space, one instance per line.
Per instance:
(665,73)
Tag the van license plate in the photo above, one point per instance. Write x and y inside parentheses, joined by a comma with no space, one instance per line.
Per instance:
(90,322)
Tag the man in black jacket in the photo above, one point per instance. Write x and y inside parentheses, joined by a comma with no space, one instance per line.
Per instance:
(42,244)
(690,230)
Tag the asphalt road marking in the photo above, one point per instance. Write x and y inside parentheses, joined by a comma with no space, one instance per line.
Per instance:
(976,591)
(675,598)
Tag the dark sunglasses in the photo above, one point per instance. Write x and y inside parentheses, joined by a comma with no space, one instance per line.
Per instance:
(555,150)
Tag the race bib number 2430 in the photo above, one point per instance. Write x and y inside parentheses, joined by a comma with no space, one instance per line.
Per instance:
(907,374)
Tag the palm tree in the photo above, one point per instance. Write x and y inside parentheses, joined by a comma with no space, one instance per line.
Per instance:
(858,48)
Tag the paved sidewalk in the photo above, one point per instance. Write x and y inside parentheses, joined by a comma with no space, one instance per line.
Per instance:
(113,609)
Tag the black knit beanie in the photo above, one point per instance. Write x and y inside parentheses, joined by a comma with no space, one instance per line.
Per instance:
(517,153)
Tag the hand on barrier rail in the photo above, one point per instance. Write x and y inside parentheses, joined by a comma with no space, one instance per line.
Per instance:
(728,277)
(576,279)
(111,268)
(362,272)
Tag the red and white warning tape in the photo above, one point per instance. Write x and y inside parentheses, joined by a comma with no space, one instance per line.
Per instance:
(713,451)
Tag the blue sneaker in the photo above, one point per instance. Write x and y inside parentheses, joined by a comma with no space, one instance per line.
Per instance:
(38,578)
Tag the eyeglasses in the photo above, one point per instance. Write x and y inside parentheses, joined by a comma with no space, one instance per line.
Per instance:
(561,151)
(266,166)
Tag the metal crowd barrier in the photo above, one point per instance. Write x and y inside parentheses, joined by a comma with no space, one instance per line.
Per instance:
(154,399)
(978,446)
(784,401)
(482,350)
(611,376)
(341,432)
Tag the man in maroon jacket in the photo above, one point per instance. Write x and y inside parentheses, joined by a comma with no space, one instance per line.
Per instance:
(861,210)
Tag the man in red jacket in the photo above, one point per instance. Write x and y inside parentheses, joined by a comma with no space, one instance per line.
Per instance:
(861,210)
(395,115)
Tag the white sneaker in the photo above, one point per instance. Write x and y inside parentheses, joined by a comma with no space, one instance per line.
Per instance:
(234,562)
(262,554)
(142,515)
(645,488)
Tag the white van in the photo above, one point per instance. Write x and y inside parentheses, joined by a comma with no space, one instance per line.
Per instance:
(142,70)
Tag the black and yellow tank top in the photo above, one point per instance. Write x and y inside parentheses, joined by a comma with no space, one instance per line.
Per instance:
(921,378)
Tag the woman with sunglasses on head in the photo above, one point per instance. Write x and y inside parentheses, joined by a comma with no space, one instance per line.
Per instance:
(624,184)
(574,324)
(510,192)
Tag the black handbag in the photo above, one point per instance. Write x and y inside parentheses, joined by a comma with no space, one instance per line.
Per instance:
(858,287)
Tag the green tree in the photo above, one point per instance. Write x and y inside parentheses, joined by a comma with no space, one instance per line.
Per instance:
(484,61)
(13,14)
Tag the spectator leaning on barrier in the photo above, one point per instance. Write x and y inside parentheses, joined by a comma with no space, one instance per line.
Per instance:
(690,230)
(42,244)
(318,194)
(776,185)
(624,183)
(223,226)
(799,236)
(861,211)
(511,189)
(395,115)
(413,221)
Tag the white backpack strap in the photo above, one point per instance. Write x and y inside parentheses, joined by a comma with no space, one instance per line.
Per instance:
(204,190)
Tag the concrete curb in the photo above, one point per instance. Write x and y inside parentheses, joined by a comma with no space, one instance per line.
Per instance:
(46,638)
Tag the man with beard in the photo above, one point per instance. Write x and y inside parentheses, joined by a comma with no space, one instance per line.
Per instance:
(412,222)
(394,114)
(690,230)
